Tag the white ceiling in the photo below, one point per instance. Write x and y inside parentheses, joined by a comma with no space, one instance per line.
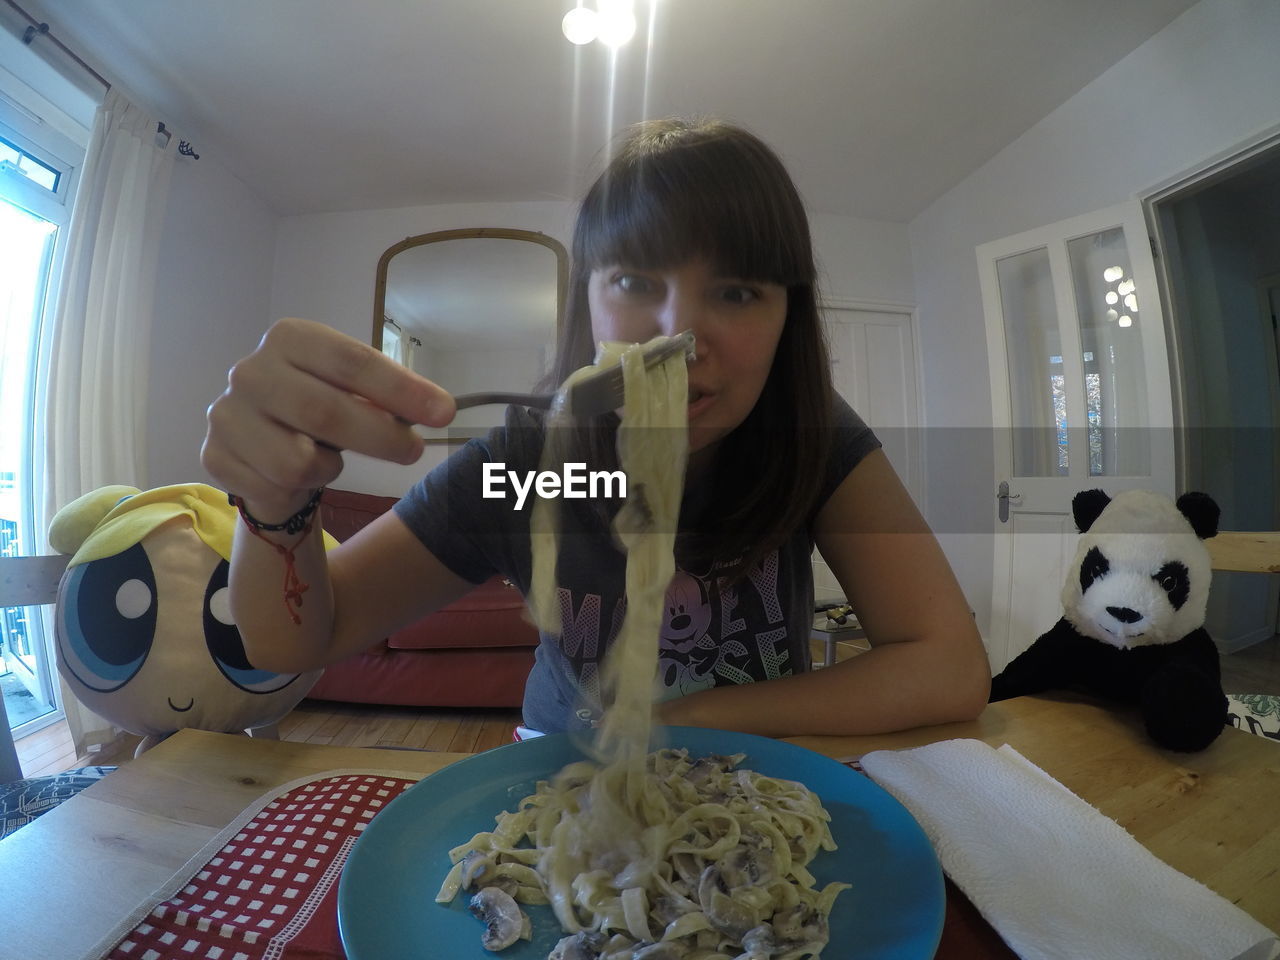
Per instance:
(879,106)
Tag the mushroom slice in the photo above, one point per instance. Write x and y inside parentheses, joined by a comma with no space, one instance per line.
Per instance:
(581,946)
(761,942)
(747,865)
(503,920)
(801,924)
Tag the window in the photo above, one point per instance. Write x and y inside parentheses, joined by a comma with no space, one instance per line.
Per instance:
(38,171)
(13,159)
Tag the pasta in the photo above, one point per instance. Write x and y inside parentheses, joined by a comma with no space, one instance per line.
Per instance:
(715,867)
(648,856)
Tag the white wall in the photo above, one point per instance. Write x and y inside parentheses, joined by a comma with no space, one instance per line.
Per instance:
(212,299)
(863,259)
(325,267)
(1207,82)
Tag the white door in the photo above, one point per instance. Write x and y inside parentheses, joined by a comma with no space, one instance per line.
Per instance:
(1080,398)
(873,367)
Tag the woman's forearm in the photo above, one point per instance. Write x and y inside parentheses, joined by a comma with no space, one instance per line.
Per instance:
(891,687)
(265,600)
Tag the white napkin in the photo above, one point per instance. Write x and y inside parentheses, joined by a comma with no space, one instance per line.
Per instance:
(1056,878)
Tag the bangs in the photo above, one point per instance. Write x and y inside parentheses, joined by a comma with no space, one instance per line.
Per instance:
(706,198)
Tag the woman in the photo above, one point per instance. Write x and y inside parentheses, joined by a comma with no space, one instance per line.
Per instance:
(693,226)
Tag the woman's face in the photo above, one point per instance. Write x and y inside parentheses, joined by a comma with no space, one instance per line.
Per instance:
(736,323)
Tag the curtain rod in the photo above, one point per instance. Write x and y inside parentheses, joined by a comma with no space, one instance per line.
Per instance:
(38,29)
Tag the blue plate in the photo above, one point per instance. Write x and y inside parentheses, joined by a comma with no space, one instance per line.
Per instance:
(386,896)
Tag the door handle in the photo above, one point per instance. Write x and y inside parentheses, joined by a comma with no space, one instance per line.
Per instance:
(1005,498)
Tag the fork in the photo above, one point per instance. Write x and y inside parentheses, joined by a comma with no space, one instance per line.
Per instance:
(592,395)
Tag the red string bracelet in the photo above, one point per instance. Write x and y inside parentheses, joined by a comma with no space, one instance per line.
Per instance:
(300,522)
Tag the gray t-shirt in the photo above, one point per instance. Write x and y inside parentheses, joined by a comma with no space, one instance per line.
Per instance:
(712,633)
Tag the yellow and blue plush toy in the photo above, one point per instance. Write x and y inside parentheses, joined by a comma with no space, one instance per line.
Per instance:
(144,628)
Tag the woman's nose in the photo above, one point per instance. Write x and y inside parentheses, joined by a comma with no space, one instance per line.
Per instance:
(681,311)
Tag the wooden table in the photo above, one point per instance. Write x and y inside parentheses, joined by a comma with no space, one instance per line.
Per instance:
(71,875)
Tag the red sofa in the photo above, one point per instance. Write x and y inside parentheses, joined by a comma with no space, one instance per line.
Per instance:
(476,652)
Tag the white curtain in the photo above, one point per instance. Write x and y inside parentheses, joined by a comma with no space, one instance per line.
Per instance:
(393,343)
(94,401)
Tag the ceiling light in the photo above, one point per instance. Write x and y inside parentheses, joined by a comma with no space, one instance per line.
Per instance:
(1112,297)
(1131,301)
(617,22)
(1125,321)
(1112,274)
(580,25)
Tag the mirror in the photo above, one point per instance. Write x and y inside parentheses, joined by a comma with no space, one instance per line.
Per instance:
(472,310)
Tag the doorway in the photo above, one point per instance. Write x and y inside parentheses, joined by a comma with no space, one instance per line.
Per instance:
(1080,399)
(1218,232)
(875,368)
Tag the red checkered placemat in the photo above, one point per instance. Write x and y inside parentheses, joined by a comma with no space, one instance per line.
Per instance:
(266,887)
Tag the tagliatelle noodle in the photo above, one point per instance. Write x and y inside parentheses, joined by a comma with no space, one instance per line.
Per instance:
(642,848)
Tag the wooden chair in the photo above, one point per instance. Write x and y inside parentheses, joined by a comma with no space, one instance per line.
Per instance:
(32,582)
(24,582)
(1249,552)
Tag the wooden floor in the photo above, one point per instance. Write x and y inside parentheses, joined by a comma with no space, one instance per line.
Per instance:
(1255,670)
(48,750)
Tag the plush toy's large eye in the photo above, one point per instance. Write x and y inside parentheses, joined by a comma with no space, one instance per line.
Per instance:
(1175,580)
(107,619)
(225,645)
(1095,566)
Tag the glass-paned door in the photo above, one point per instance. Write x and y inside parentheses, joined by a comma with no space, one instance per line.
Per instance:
(38,172)
(1080,398)
(26,252)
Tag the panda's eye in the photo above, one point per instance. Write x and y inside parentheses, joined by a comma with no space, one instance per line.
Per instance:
(1175,580)
(1095,566)
(225,646)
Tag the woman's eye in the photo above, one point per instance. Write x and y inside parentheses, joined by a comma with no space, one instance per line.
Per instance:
(740,295)
(633,284)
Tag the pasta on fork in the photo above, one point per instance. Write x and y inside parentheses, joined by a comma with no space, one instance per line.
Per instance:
(649,856)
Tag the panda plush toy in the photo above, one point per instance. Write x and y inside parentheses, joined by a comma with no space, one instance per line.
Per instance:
(1133,614)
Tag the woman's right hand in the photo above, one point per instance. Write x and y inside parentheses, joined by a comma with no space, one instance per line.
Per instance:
(304,395)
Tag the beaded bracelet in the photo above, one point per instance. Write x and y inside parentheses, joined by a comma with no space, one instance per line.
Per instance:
(300,522)
(294,524)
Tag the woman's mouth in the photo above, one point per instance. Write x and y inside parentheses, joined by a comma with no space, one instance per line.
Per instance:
(699,401)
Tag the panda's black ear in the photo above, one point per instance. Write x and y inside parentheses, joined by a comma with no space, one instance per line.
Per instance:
(1202,511)
(1086,506)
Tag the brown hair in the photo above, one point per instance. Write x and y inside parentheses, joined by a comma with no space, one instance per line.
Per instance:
(677,190)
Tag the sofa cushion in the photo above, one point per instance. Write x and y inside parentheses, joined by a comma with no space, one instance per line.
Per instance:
(343,512)
(439,678)
(491,615)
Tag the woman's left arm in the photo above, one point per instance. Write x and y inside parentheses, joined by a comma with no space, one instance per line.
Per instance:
(926,664)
